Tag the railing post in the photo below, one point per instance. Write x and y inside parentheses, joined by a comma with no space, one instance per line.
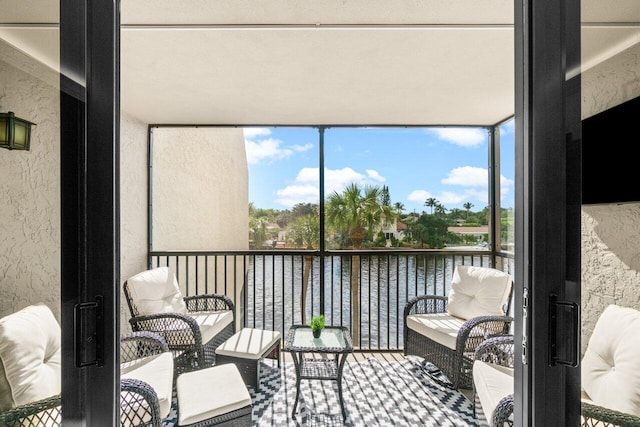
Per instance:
(321,208)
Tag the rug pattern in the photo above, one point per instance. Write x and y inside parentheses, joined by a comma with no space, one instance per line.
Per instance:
(376,393)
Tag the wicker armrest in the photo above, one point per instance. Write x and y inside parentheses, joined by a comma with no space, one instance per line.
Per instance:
(497,350)
(598,415)
(141,344)
(208,302)
(426,304)
(43,412)
(480,328)
(180,331)
(139,404)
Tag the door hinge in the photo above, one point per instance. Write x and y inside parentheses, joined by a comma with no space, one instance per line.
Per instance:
(89,333)
(525,333)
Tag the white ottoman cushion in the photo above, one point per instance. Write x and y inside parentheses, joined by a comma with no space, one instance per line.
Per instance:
(492,383)
(210,392)
(157,371)
(156,291)
(248,343)
(610,367)
(478,291)
(440,327)
(30,353)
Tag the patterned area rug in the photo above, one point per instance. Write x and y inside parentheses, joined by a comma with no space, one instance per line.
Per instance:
(376,393)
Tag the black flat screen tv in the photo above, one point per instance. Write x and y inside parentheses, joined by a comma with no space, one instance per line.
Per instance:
(610,165)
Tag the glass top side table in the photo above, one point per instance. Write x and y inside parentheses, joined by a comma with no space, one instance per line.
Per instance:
(334,341)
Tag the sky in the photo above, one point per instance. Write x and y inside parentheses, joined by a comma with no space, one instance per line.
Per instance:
(448,164)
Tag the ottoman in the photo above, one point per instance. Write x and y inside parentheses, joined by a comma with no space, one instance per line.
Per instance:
(214,396)
(246,348)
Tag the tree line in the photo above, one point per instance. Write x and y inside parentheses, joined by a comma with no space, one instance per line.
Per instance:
(354,218)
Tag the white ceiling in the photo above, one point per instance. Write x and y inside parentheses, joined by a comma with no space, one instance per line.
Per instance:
(309,62)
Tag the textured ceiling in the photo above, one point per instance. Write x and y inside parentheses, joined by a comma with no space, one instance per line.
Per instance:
(309,62)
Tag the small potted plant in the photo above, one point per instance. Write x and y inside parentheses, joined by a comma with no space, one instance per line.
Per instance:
(317,324)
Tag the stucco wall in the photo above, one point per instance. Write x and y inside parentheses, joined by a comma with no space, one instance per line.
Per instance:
(30,188)
(30,191)
(200,189)
(133,204)
(610,233)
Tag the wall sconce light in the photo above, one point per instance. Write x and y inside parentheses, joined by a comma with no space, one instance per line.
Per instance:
(15,133)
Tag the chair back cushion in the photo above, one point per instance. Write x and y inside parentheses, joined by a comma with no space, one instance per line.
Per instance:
(156,291)
(30,351)
(478,291)
(611,363)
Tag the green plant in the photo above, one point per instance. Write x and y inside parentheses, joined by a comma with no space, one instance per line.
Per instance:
(317,322)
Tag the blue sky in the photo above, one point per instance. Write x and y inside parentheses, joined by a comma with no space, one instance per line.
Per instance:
(449,164)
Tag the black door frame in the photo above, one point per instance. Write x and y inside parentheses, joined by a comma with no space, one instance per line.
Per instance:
(90,239)
(547,253)
(547,35)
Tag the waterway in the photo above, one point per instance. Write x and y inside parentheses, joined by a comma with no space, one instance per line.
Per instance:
(387,282)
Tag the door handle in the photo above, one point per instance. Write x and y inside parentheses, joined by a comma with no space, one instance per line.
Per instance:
(564,328)
(89,334)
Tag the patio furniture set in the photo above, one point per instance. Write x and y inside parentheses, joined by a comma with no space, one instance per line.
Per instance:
(188,346)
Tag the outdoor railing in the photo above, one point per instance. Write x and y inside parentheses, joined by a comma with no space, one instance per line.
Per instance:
(267,286)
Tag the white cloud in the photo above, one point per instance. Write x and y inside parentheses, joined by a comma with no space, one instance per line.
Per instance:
(373,174)
(265,149)
(419,196)
(506,182)
(464,137)
(297,193)
(467,176)
(305,188)
(450,197)
(270,149)
(302,148)
(253,132)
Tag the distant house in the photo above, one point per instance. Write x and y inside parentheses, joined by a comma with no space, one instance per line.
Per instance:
(396,229)
(477,232)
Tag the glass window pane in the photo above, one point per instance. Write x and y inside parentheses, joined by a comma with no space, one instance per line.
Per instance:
(284,187)
(507,180)
(434,180)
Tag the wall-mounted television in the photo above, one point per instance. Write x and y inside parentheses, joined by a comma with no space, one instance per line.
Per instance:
(610,165)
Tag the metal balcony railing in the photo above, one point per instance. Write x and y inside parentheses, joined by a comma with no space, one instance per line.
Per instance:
(267,286)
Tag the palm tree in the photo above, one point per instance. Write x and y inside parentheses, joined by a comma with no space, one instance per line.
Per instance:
(399,207)
(440,209)
(468,207)
(358,211)
(431,203)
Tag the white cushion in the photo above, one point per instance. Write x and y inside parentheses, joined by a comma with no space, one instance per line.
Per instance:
(478,291)
(157,371)
(210,392)
(440,327)
(212,323)
(492,384)
(156,291)
(30,352)
(248,343)
(611,364)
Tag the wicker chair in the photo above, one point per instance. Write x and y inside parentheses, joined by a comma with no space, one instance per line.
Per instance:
(146,380)
(192,326)
(447,330)
(494,359)
(139,402)
(493,386)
